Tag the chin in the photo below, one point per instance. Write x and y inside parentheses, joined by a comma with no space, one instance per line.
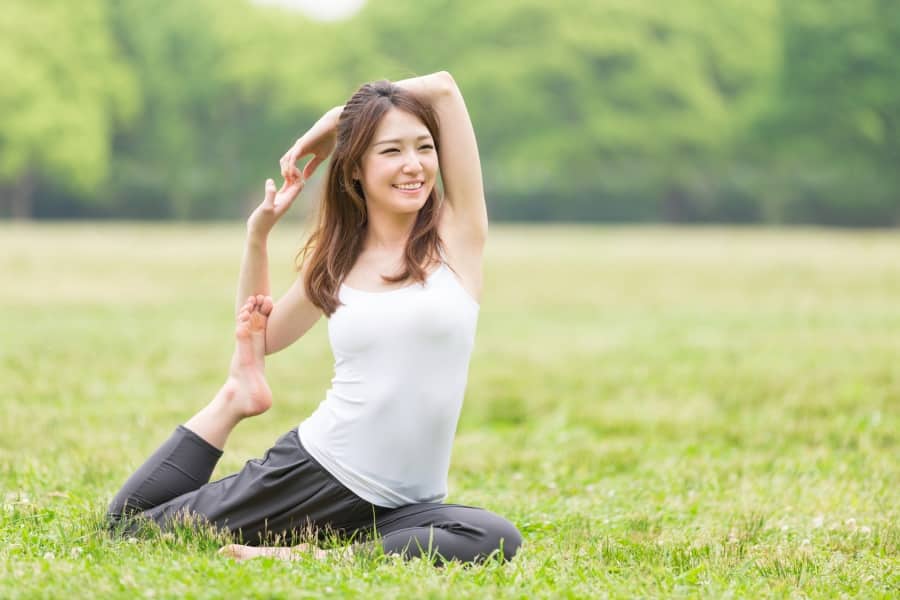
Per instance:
(407,205)
(410,209)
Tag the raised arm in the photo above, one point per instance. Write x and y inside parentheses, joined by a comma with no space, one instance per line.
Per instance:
(254,275)
(293,314)
(458,155)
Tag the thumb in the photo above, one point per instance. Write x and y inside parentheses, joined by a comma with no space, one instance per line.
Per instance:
(269,198)
(290,193)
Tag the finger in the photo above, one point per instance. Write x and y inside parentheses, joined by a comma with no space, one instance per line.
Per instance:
(311,166)
(290,172)
(290,158)
(287,195)
(269,198)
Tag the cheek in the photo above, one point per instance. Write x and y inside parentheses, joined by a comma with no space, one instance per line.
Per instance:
(376,172)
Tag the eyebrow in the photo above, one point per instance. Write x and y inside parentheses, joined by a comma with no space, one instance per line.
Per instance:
(421,137)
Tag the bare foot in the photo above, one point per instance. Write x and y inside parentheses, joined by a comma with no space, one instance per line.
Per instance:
(298,552)
(247,387)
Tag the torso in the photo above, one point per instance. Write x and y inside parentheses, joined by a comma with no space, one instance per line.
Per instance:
(385,428)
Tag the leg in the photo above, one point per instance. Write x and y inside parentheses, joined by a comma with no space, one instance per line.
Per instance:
(186,461)
(443,531)
(246,392)
(449,531)
(182,464)
(285,494)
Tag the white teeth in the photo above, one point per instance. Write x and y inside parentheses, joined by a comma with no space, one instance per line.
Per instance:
(408,186)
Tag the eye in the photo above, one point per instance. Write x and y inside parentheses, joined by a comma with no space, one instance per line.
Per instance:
(389,150)
(426,147)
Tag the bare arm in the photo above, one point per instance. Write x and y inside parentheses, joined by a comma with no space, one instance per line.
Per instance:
(458,156)
(292,316)
(254,274)
(318,141)
(464,220)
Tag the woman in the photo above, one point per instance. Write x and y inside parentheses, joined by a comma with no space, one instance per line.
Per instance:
(397,268)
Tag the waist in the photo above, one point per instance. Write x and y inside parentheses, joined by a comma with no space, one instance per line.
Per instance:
(391,456)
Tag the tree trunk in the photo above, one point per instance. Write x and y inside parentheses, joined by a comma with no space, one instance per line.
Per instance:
(675,205)
(21,198)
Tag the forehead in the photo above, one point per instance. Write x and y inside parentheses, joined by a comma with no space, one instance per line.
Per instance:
(399,124)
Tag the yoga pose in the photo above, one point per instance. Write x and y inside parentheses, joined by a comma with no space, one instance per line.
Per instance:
(396,267)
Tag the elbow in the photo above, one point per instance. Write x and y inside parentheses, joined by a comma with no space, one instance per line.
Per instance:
(445,82)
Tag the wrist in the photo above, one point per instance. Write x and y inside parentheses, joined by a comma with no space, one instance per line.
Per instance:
(330,119)
(256,239)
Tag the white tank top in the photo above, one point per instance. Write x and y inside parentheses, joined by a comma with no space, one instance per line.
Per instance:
(401,361)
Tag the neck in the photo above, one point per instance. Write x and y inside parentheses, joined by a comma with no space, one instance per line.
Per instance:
(388,231)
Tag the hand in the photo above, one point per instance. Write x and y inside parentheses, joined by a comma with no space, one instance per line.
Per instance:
(318,141)
(273,206)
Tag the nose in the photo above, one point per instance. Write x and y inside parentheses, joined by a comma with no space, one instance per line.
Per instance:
(411,163)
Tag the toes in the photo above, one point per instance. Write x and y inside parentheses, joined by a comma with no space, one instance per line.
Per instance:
(232,551)
(267,305)
(256,304)
(257,321)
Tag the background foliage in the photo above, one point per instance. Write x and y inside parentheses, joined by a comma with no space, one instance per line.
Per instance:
(779,111)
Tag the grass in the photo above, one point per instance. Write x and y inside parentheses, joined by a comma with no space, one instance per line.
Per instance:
(692,412)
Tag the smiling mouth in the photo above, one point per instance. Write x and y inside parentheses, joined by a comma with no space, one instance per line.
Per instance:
(409,187)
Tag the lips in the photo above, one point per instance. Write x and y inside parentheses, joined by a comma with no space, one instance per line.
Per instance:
(412,186)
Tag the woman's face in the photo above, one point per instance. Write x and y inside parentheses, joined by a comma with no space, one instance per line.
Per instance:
(399,168)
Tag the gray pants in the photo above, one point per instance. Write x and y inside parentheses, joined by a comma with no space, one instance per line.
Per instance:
(286,493)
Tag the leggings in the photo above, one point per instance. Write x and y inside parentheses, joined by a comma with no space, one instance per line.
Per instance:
(286,493)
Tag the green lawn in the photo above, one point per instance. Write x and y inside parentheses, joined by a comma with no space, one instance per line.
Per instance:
(662,412)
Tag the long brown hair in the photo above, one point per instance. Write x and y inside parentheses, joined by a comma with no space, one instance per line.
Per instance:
(336,241)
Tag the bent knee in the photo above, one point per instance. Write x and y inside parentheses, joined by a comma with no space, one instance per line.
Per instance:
(507,536)
(121,522)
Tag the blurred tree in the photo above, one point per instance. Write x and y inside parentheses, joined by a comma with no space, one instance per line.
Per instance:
(608,110)
(617,99)
(836,125)
(63,92)
(226,88)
